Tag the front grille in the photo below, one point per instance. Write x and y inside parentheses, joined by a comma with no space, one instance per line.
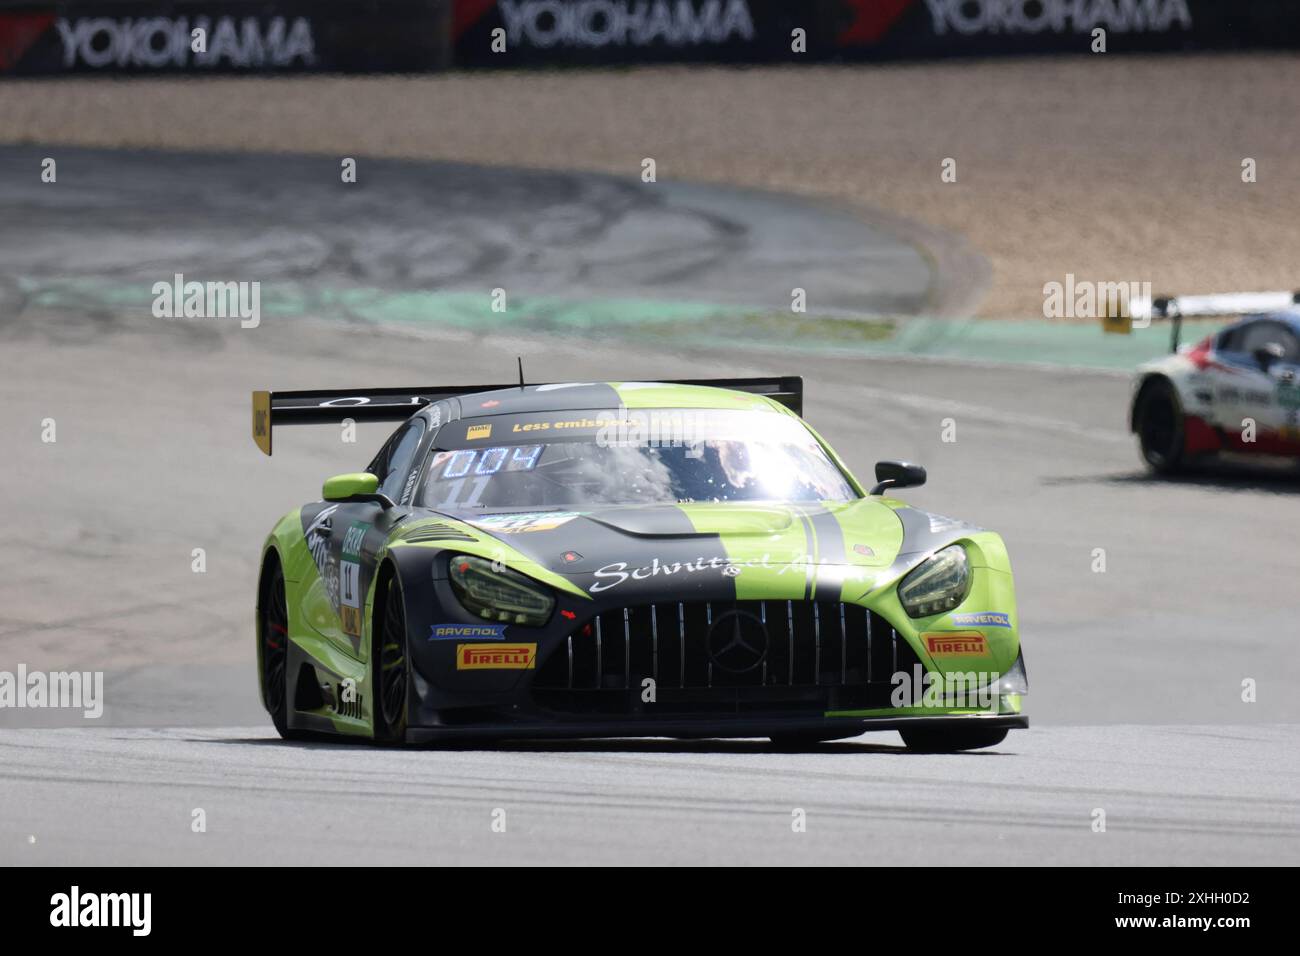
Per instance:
(816,656)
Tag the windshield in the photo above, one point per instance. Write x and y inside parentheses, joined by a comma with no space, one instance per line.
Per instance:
(643,456)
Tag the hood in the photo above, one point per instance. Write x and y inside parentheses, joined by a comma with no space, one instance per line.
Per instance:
(698,550)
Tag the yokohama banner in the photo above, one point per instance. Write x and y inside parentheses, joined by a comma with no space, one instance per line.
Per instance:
(935,28)
(513,32)
(196,36)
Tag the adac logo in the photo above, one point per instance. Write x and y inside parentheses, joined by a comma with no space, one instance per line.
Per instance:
(475,432)
(496,657)
(956,645)
(467,632)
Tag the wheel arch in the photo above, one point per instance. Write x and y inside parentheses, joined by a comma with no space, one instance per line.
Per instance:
(385,571)
(414,567)
(389,569)
(1144,385)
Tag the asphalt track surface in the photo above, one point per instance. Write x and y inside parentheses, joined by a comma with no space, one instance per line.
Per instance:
(1136,672)
(131,218)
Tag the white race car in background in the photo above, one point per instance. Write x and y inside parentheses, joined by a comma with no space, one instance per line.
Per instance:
(1237,390)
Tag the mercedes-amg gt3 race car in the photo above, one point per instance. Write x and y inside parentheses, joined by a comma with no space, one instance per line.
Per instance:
(1237,390)
(680,559)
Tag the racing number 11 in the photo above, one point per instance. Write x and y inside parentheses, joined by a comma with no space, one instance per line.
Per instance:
(477,486)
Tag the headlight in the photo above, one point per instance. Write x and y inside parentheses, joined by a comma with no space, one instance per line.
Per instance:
(1015,681)
(503,595)
(938,585)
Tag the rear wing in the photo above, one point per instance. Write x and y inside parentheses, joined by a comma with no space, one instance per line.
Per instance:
(1140,312)
(331,406)
(785,390)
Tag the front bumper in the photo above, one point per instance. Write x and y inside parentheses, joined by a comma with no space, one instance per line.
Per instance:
(827,667)
(695,728)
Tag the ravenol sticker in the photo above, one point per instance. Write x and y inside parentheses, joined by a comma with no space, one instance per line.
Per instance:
(519,523)
(467,632)
(956,645)
(475,432)
(496,657)
(982,619)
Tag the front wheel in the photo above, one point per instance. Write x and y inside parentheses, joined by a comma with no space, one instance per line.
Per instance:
(390,665)
(1159,422)
(936,741)
(275,652)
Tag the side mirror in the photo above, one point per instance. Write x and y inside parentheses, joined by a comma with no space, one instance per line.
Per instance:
(897,474)
(358,486)
(1269,353)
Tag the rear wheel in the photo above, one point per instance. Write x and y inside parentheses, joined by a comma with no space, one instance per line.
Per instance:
(391,665)
(275,651)
(1159,422)
(936,741)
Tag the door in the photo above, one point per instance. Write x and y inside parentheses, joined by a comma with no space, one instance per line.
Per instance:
(344,539)
(1260,382)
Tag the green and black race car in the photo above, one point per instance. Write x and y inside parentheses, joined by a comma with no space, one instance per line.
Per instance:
(673,559)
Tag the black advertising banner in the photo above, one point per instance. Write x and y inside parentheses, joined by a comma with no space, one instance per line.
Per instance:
(887,29)
(1168,906)
(223,36)
(44,37)
(506,33)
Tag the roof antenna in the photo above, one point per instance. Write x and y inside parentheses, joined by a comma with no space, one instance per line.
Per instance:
(520,359)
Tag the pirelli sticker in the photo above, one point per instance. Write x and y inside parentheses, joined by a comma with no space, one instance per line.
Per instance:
(957,644)
(496,657)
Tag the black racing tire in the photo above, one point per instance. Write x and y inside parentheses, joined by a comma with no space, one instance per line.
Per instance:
(274,637)
(390,663)
(1158,421)
(930,740)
